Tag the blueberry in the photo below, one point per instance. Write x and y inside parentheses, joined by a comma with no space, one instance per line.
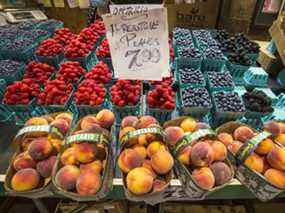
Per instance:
(9,67)
(228,102)
(191,76)
(220,80)
(196,97)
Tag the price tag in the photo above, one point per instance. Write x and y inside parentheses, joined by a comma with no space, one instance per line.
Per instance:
(83,4)
(139,44)
(73,3)
(47,3)
(132,9)
(58,3)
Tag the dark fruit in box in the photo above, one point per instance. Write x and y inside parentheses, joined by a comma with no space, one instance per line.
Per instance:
(257,101)
(89,93)
(191,76)
(104,50)
(100,73)
(49,47)
(239,58)
(213,53)
(88,36)
(21,92)
(63,36)
(56,92)
(126,92)
(220,80)
(77,49)
(196,97)
(9,68)
(40,72)
(70,72)
(162,97)
(35,34)
(189,52)
(98,27)
(228,102)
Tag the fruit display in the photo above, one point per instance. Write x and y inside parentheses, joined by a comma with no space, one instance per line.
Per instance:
(220,81)
(38,142)
(103,50)
(98,27)
(144,160)
(63,36)
(70,72)
(166,81)
(77,49)
(257,101)
(100,73)
(40,72)
(189,52)
(195,97)
(259,156)
(88,36)
(201,157)
(182,37)
(55,92)
(10,69)
(161,97)
(239,58)
(125,93)
(89,93)
(36,34)
(49,48)
(192,76)
(214,53)
(21,92)
(84,168)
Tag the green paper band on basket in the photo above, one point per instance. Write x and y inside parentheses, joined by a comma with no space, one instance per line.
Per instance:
(88,137)
(249,147)
(129,135)
(189,138)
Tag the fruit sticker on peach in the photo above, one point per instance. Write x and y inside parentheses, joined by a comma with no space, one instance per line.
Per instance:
(139,44)
(90,137)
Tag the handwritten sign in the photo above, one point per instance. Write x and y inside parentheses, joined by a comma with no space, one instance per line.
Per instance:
(132,9)
(139,44)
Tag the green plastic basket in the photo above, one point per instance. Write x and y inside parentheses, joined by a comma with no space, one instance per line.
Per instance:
(280,104)
(53,61)
(9,79)
(240,90)
(237,71)
(269,93)
(212,88)
(87,62)
(255,77)
(213,65)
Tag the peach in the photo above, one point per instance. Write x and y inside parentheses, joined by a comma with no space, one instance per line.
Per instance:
(68,156)
(276,158)
(255,162)
(40,149)
(56,144)
(101,152)
(145,121)
(129,121)
(142,140)
(147,164)
(85,152)
(174,134)
(65,116)
(139,181)
(125,130)
(202,154)
(243,133)
(234,147)
(129,159)
(67,176)
(280,138)
(25,180)
(106,118)
(188,125)
(264,147)
(88,122)
(225,138)
(23,161)
(162,162)
(184,155)
(204,178)
(48,118)
(141,150)
(95,167)
(154,147)
(266,165)
(61,124)
(36,121)
(25,143)
(275,177)
(220,151)
(273,127)
(159,185)
(45,167)
(88,183)
(222,173)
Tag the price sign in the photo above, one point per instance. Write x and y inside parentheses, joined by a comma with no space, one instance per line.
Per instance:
(132,9)
(139,44)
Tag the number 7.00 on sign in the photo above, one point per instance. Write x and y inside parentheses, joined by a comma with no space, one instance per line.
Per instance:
(139,44)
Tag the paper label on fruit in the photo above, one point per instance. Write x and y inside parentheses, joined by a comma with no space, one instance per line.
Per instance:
(87,137)
(29,129)
(139,44)
(250,146)
(139,132)
(191,137)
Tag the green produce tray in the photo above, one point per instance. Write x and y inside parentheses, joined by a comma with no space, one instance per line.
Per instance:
(213,64)
(53,61)
(16,77)
(237,71)
(86,62)
(269,93)
(255,77)
(217,89)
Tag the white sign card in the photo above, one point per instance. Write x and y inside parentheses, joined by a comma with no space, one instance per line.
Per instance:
(139,44)
(132,9)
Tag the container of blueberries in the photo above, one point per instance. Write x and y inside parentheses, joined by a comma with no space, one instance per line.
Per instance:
(214,60)
(189,56)
(227,106)
(194,101)
(11,71)
(220,81)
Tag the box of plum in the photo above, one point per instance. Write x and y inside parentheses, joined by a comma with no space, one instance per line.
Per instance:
(84,168)
(201,162)
(37,145)
(144,160)
(257,156)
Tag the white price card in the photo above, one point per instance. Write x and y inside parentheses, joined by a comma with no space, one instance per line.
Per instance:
(58,3)
(73,3)
(132,9)
(139,44)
